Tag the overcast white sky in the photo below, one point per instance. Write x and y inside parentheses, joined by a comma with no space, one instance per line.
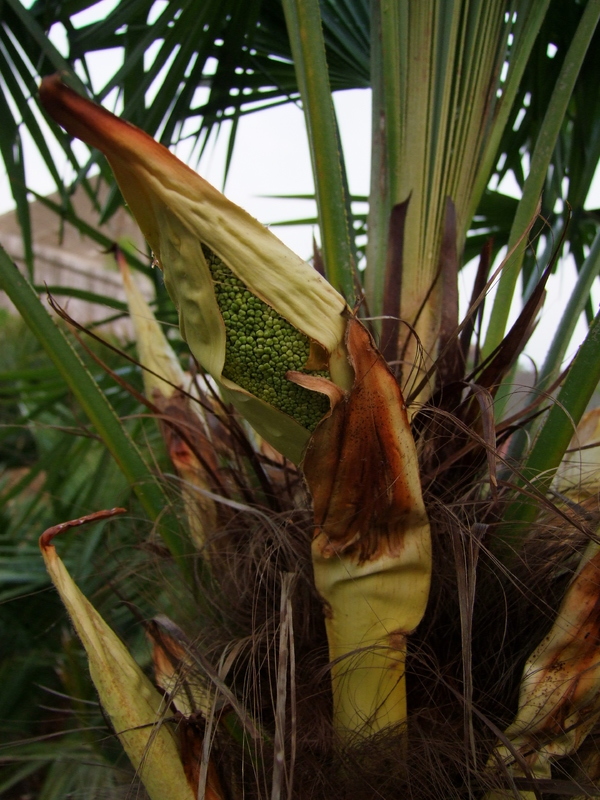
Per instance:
(271,157)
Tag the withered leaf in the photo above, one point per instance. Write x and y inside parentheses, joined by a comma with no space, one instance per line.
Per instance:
(361,463)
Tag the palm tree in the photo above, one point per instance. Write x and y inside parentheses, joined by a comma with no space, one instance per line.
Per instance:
(438,635)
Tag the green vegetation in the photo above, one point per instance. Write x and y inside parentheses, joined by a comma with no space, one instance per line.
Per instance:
(411,609)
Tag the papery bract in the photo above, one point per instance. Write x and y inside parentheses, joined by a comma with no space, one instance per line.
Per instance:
(179,213)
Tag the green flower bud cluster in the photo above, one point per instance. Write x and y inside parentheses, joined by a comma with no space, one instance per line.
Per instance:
(261,346)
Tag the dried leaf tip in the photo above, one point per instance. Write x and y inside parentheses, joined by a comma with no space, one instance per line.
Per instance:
(361,464)
(49,534)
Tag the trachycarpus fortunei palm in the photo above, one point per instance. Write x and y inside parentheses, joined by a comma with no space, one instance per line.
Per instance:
(371,550)
(365,537)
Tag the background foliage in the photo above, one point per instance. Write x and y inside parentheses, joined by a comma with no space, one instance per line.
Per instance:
(188,69)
